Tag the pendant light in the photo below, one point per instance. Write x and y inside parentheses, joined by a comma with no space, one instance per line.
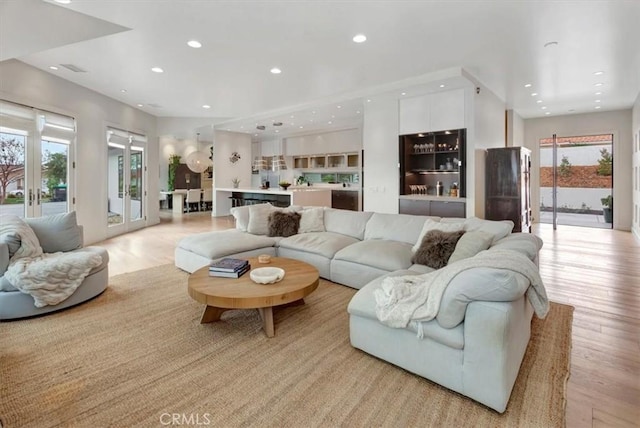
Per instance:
(198,161)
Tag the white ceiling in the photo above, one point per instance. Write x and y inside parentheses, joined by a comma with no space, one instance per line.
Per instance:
(500,42)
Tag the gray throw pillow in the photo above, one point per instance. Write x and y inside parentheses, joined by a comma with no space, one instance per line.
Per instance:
(12,240)
(471,244)
(283,223)
(59,232)
(436,248)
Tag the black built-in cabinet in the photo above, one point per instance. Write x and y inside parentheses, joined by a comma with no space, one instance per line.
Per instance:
(508,187)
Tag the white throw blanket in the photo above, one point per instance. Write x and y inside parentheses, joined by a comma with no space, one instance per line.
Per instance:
(404,299)
(48,278)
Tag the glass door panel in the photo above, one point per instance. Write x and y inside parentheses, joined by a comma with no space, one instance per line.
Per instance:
(136,185)
(115,185)
(52,194)
(13,193)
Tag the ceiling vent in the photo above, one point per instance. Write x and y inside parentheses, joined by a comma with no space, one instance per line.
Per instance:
(73,68)
(261,127)
(155,105)
(277,123)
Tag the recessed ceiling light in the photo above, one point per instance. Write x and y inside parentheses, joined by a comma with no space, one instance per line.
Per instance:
(597,107)
(539,101)
(157,70)
(277,130)
(598,101)
(543,107)
(123,90)
(357,111)
(403,93)
(139,105)
(548,112)
(534,94)
(442,86)
(194,44)
(276,70)
(292,116)
(300,126)
(550,44)
(359,38)
(313,112)
(333,116)
(598,93)
(528,85)
(368,101)
(329,122)
(339,106)
(206,106)
(598,84)
(598,73)
(53,67)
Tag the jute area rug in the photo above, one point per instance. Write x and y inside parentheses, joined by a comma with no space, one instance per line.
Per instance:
(138,356)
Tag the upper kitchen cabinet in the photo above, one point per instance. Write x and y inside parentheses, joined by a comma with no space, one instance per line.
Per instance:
(437,111)
(348,140)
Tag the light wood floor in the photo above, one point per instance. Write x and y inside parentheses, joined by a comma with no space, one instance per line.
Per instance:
(597,271)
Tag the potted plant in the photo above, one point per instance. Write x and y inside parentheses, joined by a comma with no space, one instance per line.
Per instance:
(235,182)
(174,161)
(607,208)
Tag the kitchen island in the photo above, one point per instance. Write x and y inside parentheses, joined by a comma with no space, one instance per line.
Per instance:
(226,197)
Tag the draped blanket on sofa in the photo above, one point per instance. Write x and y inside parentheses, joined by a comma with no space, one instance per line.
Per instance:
(416,298)
(48,278)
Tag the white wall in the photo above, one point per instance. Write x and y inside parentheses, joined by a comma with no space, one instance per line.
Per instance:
(617,123)
(636,166)
(225,143)
(515,129)
(487,132)
(380,142)
(93,112)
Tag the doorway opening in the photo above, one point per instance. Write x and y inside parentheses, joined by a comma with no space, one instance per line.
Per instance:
(576,180)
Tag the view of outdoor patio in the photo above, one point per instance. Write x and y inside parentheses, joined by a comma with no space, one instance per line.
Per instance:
(584,181)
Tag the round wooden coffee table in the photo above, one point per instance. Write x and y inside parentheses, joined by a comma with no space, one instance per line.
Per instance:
(223,294)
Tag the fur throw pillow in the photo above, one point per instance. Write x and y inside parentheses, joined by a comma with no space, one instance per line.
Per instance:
(283,223)
(436,248)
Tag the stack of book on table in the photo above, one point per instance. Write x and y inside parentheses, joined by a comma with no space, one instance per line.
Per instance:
(229,268)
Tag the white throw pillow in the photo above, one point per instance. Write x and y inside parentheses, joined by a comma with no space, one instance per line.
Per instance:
(498,229)
(435,225)
(312,220)
(241,214)
(259,219)
(470,244)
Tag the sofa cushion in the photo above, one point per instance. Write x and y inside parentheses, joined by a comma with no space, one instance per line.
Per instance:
(363,304)
(498,229)
(420,269)
(524,243)
(214,245)
(241,215)
(378,253)
(312,220)
(59,232)
(430,224)
(259,219)
(283,224)
(345,222)
(486,284)
(470,244)
(326,244)
(436,248)
(395,227)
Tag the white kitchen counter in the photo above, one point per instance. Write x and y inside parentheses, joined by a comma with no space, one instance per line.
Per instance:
(433,198)
(306,196)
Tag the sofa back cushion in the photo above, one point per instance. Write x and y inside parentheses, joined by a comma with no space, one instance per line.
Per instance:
(241,215)
(394,227)
(346,222)
(59,232)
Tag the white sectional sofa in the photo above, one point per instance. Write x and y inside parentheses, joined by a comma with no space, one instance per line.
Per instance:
(476,343)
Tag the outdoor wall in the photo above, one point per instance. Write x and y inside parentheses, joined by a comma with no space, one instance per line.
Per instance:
(617,123)
(28,85)
(636,166)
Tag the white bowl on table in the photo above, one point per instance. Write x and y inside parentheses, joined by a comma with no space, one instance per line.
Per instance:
(266,275)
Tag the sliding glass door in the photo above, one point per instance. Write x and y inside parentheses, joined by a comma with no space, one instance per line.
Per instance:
(126,193)
(576,181)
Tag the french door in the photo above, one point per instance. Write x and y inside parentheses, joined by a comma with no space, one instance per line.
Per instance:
(126,192)
(36,159)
